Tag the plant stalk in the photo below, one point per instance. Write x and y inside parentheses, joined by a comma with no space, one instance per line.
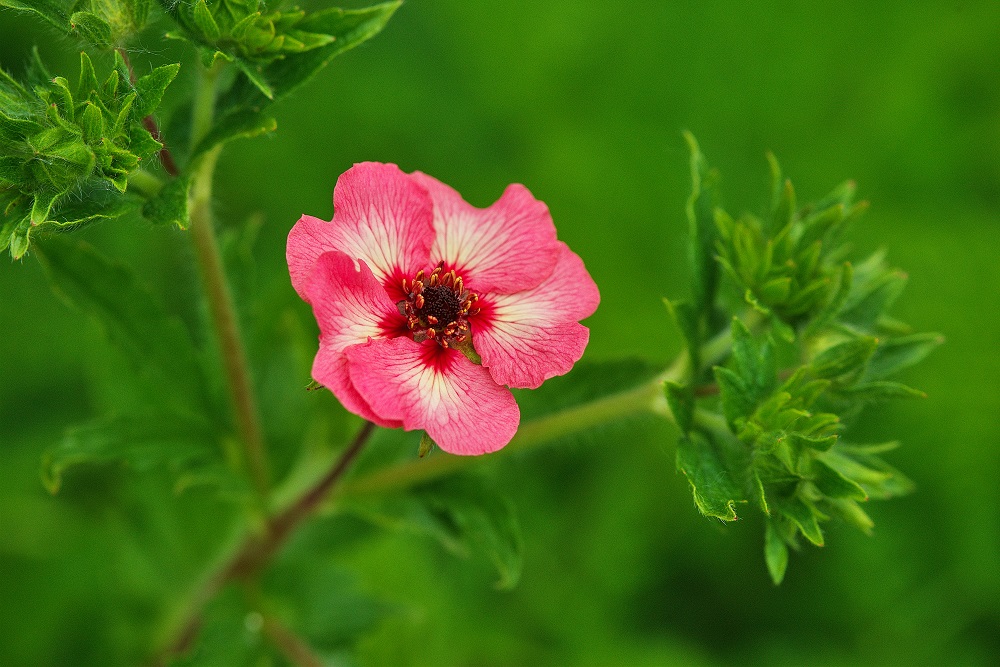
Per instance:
(217,292)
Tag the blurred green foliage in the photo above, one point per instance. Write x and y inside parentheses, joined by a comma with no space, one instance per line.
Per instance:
(584,103)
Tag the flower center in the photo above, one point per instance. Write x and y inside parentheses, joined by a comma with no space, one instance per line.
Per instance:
(438,306)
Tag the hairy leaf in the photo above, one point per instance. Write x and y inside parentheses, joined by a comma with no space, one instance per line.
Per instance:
(140,441)
(156,343)
(716,493)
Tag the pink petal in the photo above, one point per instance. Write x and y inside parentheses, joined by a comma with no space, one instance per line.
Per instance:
(350,307)
(436,389)
(330,369)
(380,216)
(528,337)
(507,247)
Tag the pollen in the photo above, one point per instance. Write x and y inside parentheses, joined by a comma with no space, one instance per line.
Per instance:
(438,306)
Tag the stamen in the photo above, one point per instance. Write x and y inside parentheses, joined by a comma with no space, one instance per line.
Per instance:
(437,306)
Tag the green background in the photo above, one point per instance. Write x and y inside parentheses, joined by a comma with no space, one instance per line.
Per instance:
(584,103)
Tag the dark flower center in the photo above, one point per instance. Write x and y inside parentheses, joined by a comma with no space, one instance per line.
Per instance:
(441,303)
(438,306)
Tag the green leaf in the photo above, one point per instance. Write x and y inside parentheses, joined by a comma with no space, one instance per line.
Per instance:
(701,228)
(53,11)
(330,608)
(279,77)
(205,22)
(170,206)
(19,238)
(875,476)
(482,519)
(680,399)
(14,129)
(92,124)
(875,288)
(465,514)
(775,553)
(896,354)
(835,485)
(819,443)
(715,491)
(255,74)
(238,125)
(141,441)
(92,28)
(738,401)
(150,89)
(802,515)
(156,344)
(881,390)
(843,357)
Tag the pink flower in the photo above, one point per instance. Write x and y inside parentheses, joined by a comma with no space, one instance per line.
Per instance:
(407,275)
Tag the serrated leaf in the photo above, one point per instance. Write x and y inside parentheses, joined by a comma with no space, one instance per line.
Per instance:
(142,143)
(255,74)
(843,357)
(239,125)
(702,230)
(775,554)
(150,89)
(42,205)
(141,441)
(835,485)
(802,515)
(875,476)
(754,363)
(19,238)
(14,129)
(92,28)
(278,77)
(486,521)
(737,398)
(92,124)
(875,288)
(758,484)
(819,443)
(88,76)
(203,18)
(715,492)
(156,343)
(51,10)
(680,399)
(849,511)
(465,514)
(896,354)
(170,206)
(881,390)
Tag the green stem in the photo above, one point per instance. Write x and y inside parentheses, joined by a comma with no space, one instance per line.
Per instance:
(254,550)
(646,398)
(217,293)
(144,183)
